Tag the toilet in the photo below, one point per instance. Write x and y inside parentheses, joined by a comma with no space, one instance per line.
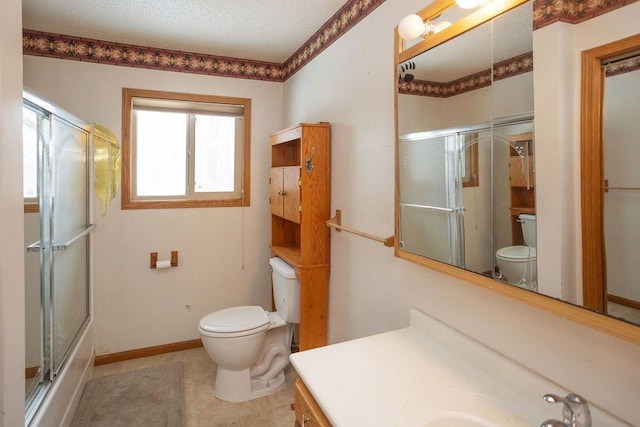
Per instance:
(250,345)
(517,264)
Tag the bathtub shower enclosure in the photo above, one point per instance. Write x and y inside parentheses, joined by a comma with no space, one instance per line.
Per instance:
(456,200)
(57,227)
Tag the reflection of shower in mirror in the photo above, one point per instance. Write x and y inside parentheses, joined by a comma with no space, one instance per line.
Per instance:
(466,225)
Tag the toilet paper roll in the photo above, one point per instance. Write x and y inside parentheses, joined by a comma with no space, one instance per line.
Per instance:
(165,263)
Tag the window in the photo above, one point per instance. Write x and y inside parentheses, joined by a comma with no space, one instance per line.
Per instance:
(184,150)
(34,125)
(470,143)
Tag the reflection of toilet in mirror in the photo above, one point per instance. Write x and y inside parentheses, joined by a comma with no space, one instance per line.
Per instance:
(517,264)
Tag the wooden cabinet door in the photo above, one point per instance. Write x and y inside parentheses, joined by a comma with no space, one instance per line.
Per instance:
(518,175)
(291,199)
(275,189)
(308,412)
(285,192)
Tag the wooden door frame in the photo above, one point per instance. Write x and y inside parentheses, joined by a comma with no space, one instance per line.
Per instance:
(594,265)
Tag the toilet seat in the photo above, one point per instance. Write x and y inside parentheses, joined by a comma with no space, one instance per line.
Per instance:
(514,253)
(235,322)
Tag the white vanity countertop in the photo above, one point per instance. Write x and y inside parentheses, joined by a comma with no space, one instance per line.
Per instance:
(374,381)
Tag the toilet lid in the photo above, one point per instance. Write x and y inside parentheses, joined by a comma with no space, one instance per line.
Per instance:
(235,319)
(517,252)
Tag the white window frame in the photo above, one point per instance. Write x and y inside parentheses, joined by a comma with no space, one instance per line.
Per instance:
(192,104)
(31,204)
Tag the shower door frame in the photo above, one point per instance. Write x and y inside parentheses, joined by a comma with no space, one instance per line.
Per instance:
(46,247)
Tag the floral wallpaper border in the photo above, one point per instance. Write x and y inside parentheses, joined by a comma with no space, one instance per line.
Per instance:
(61,46)
(104,52)
(346,18)
(501,70)
(545,12)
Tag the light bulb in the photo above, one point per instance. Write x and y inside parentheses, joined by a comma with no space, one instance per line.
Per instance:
(411,27)
(468,4)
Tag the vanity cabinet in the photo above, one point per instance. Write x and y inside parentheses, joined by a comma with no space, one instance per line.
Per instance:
(308,412)
(300,188)
(522,181)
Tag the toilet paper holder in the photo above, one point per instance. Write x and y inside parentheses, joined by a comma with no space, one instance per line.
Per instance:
(154,259)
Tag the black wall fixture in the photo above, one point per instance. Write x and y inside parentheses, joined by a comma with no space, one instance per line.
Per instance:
(405,75)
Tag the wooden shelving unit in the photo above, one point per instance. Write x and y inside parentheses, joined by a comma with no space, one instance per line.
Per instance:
(522,181)
(300,195)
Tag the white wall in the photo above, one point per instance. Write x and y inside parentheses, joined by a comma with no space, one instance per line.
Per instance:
(419,113)
(11,218)
(371,291)
(135,306)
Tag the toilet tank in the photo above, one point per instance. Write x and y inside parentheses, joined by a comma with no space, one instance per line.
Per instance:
(528,224)
(286,290)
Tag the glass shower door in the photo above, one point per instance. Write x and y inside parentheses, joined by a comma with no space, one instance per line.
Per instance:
(56,191)
(69,230)
(429,197)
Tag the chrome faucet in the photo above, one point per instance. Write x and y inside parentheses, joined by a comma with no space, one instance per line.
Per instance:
(575,412)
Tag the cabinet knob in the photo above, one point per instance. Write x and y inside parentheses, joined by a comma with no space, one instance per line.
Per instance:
(305,419)
(299,208)
(282,192)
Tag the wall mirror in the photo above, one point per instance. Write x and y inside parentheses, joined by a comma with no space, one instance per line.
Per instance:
(466,182)
(611,182)
(465,172)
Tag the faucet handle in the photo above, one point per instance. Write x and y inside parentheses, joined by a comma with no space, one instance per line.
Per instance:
(575,409)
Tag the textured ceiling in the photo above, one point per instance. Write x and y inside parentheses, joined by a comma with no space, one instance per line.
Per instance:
(250,29)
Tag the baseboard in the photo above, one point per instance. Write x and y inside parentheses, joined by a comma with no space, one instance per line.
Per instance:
(147,351)
(31,372)
(623,301)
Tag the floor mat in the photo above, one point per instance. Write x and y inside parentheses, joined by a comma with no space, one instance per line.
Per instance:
(148,397)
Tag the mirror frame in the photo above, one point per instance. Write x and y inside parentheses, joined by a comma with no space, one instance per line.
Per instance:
(591,108)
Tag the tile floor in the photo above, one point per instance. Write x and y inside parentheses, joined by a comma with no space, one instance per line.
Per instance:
(629,314)
(202,409)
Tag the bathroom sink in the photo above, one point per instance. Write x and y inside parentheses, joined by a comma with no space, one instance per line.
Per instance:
(462,409)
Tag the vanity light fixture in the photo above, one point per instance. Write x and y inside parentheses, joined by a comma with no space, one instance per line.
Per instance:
(469,4)
(412,26)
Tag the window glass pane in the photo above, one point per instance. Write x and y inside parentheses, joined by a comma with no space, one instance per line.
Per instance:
(161,153)
(215,153)
(30,153)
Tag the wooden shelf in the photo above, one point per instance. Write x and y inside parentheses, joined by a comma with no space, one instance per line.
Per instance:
(293,133)
(300,201)
(517,210)
(291,254)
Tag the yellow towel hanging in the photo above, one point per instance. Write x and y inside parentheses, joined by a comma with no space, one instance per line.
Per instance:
(106,164)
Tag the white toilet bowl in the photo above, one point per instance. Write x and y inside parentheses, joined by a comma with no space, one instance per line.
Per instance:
(242,346)
(251,346)
(517,264)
